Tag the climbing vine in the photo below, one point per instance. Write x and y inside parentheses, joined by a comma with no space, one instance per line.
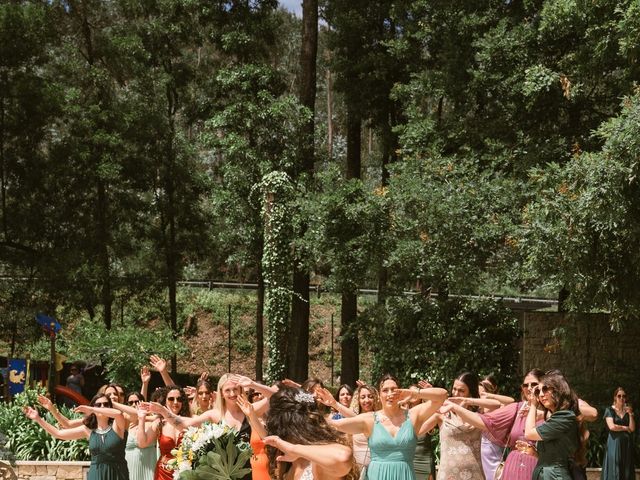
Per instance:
(276,191)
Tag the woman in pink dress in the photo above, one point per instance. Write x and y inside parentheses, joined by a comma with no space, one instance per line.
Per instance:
(505,427)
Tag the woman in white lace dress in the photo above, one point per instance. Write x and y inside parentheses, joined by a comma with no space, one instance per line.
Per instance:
(301,444)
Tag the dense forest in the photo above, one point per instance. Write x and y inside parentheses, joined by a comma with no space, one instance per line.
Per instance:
(444,148)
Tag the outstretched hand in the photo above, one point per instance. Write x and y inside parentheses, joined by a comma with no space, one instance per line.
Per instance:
(160,364)
(145,374)
(324,397)
(245,406)
(84,409)
(284,447)
(240,380)
(153,407)
(290,383)
(45,402)
(31,413)
(446,407)
(424,384)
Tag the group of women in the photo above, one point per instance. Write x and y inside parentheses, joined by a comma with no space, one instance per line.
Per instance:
(302,432)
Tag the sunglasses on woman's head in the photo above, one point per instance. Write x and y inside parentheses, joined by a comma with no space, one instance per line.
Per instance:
(174,399)
(542,390)
(530,385)
(101,404)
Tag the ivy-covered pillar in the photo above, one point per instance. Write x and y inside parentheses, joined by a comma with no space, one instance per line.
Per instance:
(277,190)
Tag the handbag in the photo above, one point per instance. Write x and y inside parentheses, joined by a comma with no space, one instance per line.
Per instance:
(497,475)
(363,469)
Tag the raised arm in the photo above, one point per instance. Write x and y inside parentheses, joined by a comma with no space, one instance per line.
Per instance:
(431,423)
(179,422)
(60,418)
(486,403)
(530,432)
(130,413)
(252,417)
(74,433)
(433,398)
(362,423)
(147,432)
(467,416)
(502,399)
(587,412)
(325,397)
(160,364)
(119,421)
(145,379)
(334,459)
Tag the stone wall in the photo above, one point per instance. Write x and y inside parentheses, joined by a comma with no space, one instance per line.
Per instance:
(51,470)
(594,358)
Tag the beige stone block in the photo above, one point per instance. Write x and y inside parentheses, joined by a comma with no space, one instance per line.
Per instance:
(27,470)
(69,472)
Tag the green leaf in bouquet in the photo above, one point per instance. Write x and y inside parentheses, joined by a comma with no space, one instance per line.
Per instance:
(189,475)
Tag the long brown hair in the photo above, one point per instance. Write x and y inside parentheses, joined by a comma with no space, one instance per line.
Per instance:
(564,398)
(295,417)
(91,421)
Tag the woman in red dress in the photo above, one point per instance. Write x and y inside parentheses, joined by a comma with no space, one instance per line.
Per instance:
(167,435)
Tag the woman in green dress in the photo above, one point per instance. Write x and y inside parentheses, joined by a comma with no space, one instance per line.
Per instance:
(558,438)
(105,427)
(618,463)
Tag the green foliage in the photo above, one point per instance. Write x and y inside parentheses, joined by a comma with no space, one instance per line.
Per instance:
(220,464)
(451,222)
(416,338)
(580,230)
(347,225)
(121,350)
(28,441)
(276,189)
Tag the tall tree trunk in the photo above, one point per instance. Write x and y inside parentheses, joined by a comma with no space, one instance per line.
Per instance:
(299,340)
(104,261)
(3,182)
(260,325)
(563,296)
(171,254)
(298,350)
(350,358)
(349,311)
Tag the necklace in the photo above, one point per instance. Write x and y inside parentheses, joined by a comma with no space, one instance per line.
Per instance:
(103,431)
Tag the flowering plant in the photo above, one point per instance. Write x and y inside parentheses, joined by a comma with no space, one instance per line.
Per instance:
(211,452)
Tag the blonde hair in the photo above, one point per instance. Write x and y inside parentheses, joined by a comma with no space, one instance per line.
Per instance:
(220,403)
(355,400)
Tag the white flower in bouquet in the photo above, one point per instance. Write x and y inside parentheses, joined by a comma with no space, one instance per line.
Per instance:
(214,448)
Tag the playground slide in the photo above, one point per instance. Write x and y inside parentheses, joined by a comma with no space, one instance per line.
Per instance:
(71,394)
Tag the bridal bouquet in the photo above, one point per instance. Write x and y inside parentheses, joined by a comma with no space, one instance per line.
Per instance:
(211,452)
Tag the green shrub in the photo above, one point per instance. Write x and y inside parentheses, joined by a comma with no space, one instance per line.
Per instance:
(416,338)
(28,441)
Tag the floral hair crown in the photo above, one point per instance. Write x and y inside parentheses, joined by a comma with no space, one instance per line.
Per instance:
(304,397)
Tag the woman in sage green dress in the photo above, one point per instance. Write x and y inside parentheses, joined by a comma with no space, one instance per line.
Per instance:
(106,429)
(558,438)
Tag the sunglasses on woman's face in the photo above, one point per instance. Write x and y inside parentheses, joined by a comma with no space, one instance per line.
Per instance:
(174,399)
(133,402)
(620,395)
(530,385)
(543,390)
(101,404)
